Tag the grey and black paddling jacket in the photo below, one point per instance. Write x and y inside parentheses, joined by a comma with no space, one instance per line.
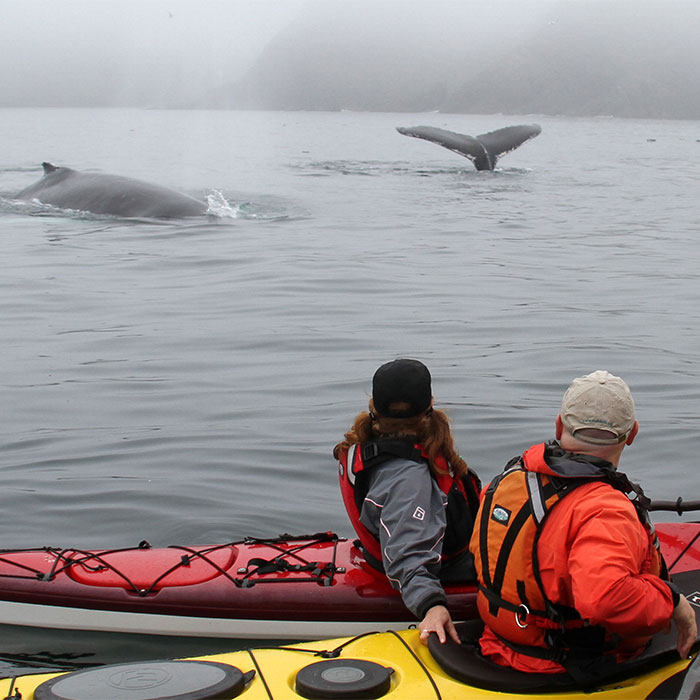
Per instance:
(411,524)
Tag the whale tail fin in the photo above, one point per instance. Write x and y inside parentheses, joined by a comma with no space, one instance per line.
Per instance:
(505,140)
(484,150)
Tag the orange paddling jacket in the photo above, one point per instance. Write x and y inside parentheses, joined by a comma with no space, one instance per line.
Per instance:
(514,509)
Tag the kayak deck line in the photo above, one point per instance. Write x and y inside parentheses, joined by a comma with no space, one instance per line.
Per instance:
(81,565)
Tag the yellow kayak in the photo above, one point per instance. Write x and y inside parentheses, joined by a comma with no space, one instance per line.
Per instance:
(391,665)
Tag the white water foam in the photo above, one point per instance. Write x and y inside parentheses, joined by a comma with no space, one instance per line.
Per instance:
(219,206)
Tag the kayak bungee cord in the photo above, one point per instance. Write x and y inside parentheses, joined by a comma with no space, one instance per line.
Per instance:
(16,695)
(260,674)
(266,566)
(326,536)
(325,653)
(60,555)
(336,652)
(63,559)
(421,664)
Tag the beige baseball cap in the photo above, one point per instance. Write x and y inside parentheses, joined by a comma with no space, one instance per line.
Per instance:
(602,401)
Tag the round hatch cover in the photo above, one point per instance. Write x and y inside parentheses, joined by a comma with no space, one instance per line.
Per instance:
(351,679)
(148,680)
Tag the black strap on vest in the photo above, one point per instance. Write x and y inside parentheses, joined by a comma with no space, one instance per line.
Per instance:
(373,454)
(377,451)
(555,456)
(369,557)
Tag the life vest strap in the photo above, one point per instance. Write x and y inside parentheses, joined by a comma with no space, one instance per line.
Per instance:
(558,618)
(591,644)
(369,557)
(385,447)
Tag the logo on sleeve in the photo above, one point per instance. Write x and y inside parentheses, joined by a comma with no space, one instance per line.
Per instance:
(419,514)
(500,515)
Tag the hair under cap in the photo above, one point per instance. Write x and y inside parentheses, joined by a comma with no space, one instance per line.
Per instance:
(401,381)
(598,400)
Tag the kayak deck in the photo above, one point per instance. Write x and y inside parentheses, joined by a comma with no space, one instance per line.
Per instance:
(396,664)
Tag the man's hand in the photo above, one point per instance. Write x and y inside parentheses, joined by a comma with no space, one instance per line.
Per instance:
(684,617)
(438,620)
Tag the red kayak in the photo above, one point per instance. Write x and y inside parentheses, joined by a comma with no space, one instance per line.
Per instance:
(288,587)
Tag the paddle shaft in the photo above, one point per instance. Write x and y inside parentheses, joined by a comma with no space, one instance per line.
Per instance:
(678,506)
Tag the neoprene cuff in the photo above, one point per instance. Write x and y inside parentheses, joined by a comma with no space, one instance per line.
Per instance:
(675,593)
(430,603)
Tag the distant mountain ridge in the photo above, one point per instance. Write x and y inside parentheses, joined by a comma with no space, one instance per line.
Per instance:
(614,58)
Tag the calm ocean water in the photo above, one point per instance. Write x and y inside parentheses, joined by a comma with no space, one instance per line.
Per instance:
(184,382)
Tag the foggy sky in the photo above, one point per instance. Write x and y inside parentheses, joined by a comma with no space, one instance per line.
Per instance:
(130,52)
(170,52)
(612,57)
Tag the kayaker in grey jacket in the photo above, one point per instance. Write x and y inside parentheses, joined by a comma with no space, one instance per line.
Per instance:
(411,498)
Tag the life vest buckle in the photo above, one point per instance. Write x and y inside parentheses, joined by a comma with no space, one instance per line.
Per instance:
(369,451)
(522,612)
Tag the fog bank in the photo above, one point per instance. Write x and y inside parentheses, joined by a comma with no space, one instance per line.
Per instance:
(627,58)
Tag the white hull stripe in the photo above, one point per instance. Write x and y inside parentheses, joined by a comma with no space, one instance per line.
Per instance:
(55,617)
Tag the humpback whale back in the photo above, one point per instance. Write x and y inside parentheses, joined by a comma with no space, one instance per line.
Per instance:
(100,193)
(484,150)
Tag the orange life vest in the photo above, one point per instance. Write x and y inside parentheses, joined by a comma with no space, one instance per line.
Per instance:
(462,492)
(511,598)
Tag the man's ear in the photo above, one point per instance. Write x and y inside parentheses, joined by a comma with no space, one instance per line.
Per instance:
(633,434)
(559,427)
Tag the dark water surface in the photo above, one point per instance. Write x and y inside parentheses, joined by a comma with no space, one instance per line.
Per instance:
(184,382)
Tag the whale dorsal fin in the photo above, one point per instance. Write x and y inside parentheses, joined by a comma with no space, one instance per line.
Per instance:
(49,168)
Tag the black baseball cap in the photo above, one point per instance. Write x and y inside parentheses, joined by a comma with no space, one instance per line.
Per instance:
(402,381)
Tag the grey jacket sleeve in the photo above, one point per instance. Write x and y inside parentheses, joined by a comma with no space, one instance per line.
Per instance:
(405,509)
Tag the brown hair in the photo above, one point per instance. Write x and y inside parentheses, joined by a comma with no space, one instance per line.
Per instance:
(431,429)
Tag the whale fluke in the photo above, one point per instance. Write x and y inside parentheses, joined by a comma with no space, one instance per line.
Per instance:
(483,150)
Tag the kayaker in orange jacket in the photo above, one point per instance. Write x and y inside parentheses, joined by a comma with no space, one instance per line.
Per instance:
(579,576)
